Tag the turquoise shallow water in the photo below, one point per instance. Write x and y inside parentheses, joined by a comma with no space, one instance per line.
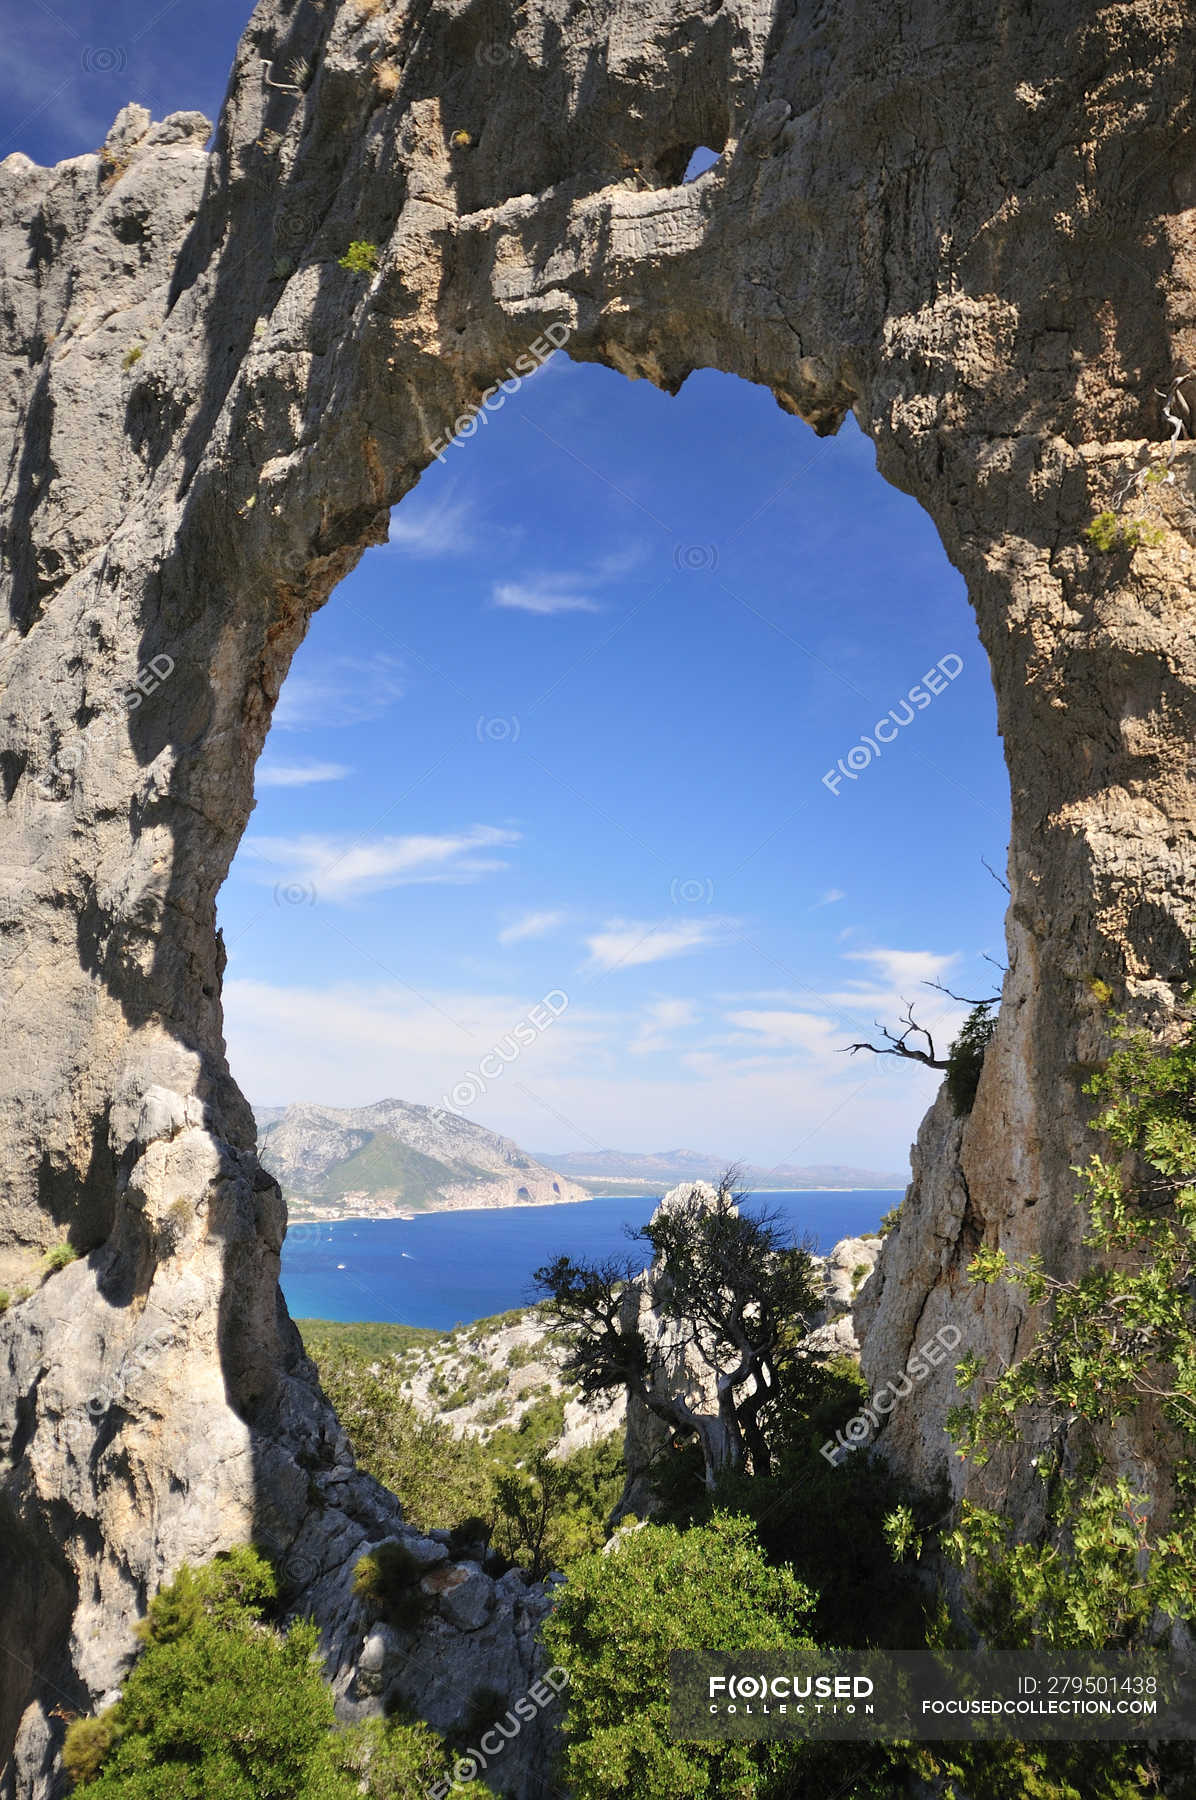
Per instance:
(444,1269)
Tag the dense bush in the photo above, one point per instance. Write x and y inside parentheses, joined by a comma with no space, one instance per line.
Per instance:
(827,1523)
(621,1612)
(222,1705)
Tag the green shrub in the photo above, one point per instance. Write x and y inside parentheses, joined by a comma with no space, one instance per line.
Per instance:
(401,1760)
(218,1704)
(131,356)
(221,1705)
(1111,531)
(87,1743)
(965,1058)
(361,258)
(613,1627)
(1121,1333)
(59,1257)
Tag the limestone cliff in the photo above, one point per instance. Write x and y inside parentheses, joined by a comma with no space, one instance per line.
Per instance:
(971,226)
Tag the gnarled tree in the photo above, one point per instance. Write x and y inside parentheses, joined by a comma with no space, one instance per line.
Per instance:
(733,1295)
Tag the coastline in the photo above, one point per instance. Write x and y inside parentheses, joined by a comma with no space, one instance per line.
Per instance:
(407,1216)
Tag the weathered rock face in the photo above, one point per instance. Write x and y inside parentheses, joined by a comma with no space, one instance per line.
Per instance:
(973,227)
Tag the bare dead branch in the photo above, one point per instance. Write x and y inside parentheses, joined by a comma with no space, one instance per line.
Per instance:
(999,879)
(898,1044)
(989,999)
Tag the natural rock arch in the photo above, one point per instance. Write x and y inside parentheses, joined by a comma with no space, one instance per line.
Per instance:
(971,228)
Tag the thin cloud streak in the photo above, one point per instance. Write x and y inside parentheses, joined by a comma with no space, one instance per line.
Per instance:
(339,869)
(532,925)
(630,943)
(297,775)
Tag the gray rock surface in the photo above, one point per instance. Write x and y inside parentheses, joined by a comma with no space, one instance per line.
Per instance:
(971,227)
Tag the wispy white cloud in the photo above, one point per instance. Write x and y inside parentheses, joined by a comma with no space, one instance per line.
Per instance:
(897,974)
(568,591)
(342,690)
(631,943)
(783,1030)
(420,528)
(339,868)
(662,1021)
(617,563)
(531,925)
(545,595)
(293,775)
(829,898)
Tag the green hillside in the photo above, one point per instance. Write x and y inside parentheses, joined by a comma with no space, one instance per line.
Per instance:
(365,1338)
(383,1165)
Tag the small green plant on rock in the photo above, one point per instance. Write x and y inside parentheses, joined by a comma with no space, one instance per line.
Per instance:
(59,1257)
(1111,531)
(131,356)
(361,258)
(965,1058)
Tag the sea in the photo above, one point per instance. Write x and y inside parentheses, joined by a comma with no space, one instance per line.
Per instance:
(448,1268)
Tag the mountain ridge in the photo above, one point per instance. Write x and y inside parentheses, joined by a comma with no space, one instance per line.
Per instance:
(394,1156)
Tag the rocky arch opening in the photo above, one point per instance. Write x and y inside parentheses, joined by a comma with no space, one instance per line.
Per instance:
(555,557)
(1003,355)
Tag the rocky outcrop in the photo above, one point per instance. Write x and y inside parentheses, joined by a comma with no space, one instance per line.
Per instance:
(487,1376)
(971,227)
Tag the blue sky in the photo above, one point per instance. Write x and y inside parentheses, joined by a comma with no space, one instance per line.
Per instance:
(567,734)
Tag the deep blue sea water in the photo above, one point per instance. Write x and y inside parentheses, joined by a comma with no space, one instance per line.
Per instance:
(445,1269)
